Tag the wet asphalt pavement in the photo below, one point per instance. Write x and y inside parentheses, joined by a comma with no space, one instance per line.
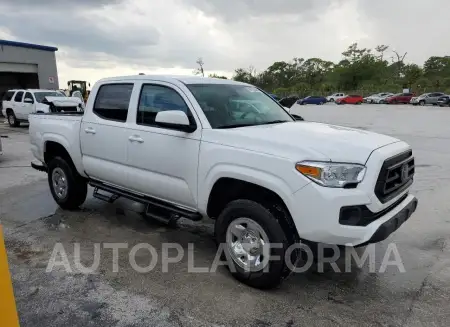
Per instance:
(33,224)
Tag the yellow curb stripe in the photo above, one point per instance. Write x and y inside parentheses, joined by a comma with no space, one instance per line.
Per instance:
(8,310)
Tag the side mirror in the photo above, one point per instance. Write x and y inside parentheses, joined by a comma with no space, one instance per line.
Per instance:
(174,119)
(28,100)
(298,118)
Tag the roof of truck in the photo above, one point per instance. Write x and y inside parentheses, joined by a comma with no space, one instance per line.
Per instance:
(172,78)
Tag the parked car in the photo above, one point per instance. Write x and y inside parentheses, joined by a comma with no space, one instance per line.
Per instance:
(426,98)
(335,96)
(381,97)
(398,98)
(377,96)
(289,101)
(350,99)
(312,100)
(444,101)
(183,148)
(18,104)
(274,96)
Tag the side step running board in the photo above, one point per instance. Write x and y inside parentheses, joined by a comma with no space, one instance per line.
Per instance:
(151,202)
(103,197)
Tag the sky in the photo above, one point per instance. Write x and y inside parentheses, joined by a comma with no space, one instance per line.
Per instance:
(102,38)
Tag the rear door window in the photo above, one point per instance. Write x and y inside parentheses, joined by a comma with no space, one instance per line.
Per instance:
(8,96)
(112,101)
(18,97)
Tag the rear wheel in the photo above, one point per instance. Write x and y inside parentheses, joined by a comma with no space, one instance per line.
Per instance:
(68,188)
(246,229)
(12,120)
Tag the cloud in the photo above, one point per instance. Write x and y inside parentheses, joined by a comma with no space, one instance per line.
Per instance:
(59,3)
(109,37)
(415,27)
(244,9)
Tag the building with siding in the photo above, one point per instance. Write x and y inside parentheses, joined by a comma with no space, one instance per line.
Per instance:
(26,65)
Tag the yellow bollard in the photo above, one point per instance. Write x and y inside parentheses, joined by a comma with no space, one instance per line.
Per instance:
(8,311)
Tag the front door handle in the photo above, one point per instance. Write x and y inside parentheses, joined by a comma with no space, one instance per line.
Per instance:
(136,138)
(90,130)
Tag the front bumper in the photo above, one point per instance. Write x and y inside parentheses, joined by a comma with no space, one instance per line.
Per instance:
(316,210)
(394,223)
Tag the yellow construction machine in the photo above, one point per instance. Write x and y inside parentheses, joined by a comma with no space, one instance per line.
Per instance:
(78,88)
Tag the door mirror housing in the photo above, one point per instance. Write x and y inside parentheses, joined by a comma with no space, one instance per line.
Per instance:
(298,118)
(28,100)
(174,119)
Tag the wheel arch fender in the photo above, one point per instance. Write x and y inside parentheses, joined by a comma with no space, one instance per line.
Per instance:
(51,140)
(251,175)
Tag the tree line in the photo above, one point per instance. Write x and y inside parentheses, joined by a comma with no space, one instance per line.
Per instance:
(361,70)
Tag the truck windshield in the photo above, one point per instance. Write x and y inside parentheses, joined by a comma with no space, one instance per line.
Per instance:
(40,96)
(229,106)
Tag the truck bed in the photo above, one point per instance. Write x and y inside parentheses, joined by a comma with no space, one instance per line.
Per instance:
(61,127)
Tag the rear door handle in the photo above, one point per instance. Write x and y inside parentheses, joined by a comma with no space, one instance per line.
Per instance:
(90,130)
(136,138)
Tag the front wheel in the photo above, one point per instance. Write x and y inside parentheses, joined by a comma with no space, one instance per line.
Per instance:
(68,188)
(422,103)
(254,244)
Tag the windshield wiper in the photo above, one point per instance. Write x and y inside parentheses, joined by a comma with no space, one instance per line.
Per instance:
(235,125)
(258,124)
(274,122)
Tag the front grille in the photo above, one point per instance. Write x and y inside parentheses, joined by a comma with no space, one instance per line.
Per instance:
(396,175)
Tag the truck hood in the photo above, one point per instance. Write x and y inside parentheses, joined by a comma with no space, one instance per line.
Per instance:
(64,101)
(303,141)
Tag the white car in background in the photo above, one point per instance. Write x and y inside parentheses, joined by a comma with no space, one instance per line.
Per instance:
(335,96)
(18,104)
(380,98)
(375,98)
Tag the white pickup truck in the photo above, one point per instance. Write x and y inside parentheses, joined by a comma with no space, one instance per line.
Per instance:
(18,104)
(201,147)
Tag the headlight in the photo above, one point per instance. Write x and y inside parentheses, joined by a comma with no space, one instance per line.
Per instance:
(331,174)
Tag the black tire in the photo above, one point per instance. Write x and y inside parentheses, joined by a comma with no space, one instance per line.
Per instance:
(421,103)
(271,220)
(76,185)
(12,120)
(320,103)
(331,100)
